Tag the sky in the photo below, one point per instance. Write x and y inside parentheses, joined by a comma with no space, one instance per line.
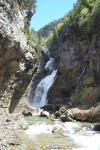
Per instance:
(50,10)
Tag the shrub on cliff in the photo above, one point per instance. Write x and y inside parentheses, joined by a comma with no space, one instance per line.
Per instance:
(84,15)
(33,41)
(83,18)
(94,17)
(27,8)
(24,4)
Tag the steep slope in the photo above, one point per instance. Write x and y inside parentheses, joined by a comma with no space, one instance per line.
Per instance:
(46,30)
(15,58)
(76,45)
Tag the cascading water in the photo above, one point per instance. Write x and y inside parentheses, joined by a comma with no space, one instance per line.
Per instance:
(58,135)
(49,64)
(40,98)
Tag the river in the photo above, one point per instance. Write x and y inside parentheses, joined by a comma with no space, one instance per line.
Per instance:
(44,134)
(55,135)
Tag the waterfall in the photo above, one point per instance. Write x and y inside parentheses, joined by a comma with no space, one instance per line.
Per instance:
(40,98)
(49,64)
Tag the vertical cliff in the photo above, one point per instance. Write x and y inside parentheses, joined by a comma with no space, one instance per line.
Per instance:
(75,44)
(17,61)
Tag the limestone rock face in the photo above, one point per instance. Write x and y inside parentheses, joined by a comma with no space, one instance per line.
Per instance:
(12,25)
(78,76)
(15,58)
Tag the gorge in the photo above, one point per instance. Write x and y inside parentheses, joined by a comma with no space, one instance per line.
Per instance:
(56,69)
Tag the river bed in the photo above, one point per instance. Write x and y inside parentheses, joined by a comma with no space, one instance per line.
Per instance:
(44,134)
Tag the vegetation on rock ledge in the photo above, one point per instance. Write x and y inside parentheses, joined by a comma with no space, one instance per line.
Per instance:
(84,18)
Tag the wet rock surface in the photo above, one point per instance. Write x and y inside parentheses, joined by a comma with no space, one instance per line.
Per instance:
(27,113)
(96,127)
(57,130)
(63,114)
(44,114)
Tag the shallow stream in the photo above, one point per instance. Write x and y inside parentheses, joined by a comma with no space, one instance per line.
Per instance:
(44,134)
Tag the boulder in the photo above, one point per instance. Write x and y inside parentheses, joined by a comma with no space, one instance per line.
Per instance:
(8,120)
(63,118)
(63,110)
(96,127)
(50,107)
(66,117)
(44,114)
(27,113)
(89,115)
(57,114)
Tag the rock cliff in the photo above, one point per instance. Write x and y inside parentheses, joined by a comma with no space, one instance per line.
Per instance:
(77,73)
(78,53)
(17,64)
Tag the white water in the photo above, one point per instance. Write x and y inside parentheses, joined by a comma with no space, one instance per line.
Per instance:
(89,142)
(81,135)
(49,64)
(40,98)
(39,129)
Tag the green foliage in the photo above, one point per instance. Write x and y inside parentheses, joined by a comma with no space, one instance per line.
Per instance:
(31,35)
(89,1)
(84,17)
(94,17)
(38,51)
(25,4)
(66,19)
(84,12)
(32,38)
(47,41)
(20,2)
(59,26)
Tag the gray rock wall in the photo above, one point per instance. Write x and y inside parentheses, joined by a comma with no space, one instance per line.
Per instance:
(78,80)
(14,50)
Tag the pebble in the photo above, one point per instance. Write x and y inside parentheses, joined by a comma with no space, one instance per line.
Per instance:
(9,126)
(4,143)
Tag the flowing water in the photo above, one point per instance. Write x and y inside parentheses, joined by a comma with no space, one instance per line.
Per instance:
(40,98)
(55,135)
